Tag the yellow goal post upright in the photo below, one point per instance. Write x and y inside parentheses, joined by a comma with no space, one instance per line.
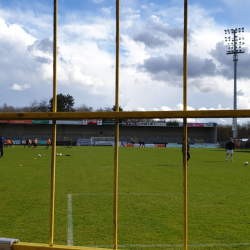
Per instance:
(54,115)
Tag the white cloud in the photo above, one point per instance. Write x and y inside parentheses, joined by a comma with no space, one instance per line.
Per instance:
(129,10)
(107,10)
(20,87)
(155,18)
(13,33)
(165,108)
(179,106)
(136,51)
(133,16)
(141,109)
(98,1)
(84,31)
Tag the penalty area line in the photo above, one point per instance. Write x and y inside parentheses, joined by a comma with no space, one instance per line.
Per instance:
(70,222)
(162,194)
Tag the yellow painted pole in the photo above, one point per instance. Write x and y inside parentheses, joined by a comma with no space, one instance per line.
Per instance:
(180,114)
(116,127)
(37,246)
(54,110)
(185,220)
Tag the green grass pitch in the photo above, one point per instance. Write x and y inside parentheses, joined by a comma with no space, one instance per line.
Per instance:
(150,197)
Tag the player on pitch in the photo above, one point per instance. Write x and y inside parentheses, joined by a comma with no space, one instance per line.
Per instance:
(35,143)
(27,142)
(188,148)
(230,148)
(48,142)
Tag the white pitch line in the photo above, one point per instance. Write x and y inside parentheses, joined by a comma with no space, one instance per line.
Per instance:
(129,194)
(70,221)
(171,245)
(247,193)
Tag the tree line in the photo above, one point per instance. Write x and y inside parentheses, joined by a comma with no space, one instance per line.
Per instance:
(65,103)
(224,132)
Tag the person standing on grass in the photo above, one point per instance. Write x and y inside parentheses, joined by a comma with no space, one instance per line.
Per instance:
(48,142)
(1,145)
(230,148)
(27,142)
(188,148)
(35,143)
(7,143)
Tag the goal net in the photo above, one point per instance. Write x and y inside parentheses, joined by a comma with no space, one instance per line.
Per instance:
(67,141)
(102,141)
(134,140)
(199,141)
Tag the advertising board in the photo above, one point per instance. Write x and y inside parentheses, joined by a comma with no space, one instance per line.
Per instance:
(154,124)
(149,145)
(21,121)
(129,123)
(40,121)
(83,142)
(128,145)
(92,122)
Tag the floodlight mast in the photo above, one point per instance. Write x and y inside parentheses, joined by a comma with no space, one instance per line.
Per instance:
(234,48)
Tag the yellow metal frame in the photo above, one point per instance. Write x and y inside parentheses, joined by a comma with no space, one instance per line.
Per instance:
(54,110)
(127,115)
(54,115)
(185,223)
(36,246)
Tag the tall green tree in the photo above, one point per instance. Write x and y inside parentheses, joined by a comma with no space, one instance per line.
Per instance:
(65,103)
(114,108)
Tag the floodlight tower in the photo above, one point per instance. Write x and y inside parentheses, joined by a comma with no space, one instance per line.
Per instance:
(234,44)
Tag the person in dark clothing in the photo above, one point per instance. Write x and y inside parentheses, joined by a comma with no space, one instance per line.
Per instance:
(1,145)
(27,142)
(188,148)
(230,147)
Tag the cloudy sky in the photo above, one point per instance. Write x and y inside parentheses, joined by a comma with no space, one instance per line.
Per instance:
(151,53)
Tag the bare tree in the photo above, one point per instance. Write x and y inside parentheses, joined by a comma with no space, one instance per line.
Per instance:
(84,108)
(41,106)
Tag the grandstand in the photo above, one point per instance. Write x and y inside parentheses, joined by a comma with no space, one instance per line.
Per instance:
(206,132)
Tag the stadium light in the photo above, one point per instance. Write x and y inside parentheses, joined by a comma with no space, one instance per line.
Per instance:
(234,49)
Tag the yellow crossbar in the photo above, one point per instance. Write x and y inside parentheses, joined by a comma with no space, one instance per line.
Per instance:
(126,115)
(36,246)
